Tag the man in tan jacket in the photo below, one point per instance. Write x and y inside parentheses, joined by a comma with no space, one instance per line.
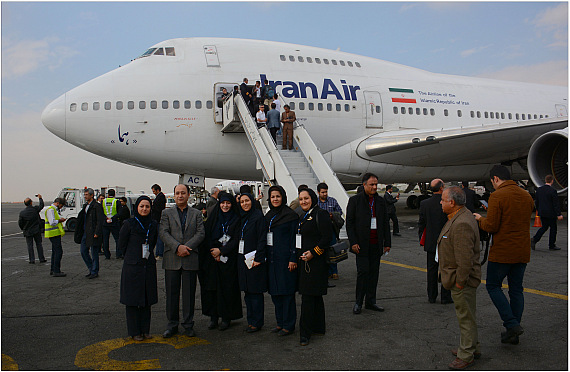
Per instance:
(508,219)
(458,250)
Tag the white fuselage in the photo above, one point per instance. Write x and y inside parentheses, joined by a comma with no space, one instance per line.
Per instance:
(159,111)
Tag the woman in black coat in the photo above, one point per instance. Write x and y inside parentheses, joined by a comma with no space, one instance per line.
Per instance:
(137,239)
(282,224)
(253,238)
(218,264)
(316,232)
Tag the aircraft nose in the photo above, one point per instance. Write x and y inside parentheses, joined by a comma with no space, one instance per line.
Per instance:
(53,117)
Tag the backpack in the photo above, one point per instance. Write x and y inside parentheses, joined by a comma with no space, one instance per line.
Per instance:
(269,91)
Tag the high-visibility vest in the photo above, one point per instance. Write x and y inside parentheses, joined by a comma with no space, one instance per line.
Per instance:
(110,206)
(52,231)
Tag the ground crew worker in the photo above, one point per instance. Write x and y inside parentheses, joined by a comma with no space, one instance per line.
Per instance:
(54,231)
(111,225)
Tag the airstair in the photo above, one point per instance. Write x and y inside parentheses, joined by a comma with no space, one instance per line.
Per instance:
(289,169)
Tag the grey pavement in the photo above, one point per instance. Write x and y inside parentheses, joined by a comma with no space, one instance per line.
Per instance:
(75,323)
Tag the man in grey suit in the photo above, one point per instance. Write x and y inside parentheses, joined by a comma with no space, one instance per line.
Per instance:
(182,230)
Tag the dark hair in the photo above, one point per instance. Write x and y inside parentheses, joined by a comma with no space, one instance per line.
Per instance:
(124,199)
(367,176)
(301,188)
(27,202)
(187,187)
(273,105)
(275,96)
(60,201)
(500,171)
(156,187)
(110,193)
(465,184)
(549,178)
(245,189)
(456,194)
(437,186)
(286,106)
(322,186)
(389,187)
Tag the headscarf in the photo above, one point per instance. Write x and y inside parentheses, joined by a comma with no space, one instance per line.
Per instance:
(241,211)
(314,198)
(282,213)
(144,220)
(224,218)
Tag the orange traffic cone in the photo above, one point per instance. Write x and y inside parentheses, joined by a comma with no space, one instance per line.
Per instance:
(537,222)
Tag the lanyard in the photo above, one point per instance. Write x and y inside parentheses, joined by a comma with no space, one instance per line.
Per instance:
(303,219)
(270,222)
(243,228)
(371,206)
(147,231)
(225,228)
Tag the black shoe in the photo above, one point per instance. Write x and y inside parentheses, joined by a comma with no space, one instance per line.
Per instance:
(512,335)
(224,325)
(284,333)
(32,262)
(445,302)
(276,330)
(431,300)
(213,324)
(329,285)
(304,341)
(189,332)
(42,261)
(397,234)
(59,275)
(357,309)
(555,248)
(170,332)
(93,276)
(374,307)
(532,244)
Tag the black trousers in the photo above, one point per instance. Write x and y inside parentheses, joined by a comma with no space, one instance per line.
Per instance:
(395,226)
(546,223)
(255,309)
(108,229)
(312,316)
(432,269)
(367,271)
(30,241)
(273,132)
(173,279)
(138,320)
(285,311)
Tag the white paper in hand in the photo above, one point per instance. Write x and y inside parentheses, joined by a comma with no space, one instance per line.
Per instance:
(249,259)
(223,259)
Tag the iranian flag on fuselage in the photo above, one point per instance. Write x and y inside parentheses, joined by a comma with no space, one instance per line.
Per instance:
(403,95)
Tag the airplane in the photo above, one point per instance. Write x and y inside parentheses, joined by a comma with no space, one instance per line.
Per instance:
(163,111)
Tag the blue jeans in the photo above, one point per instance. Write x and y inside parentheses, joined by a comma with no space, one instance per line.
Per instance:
(511,313)
(255,309)
(159,247)
(56,254)
(91,260)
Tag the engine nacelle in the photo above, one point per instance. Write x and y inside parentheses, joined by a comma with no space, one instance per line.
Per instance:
(549,155)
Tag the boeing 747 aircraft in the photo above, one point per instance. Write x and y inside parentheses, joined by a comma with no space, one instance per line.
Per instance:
(163,111)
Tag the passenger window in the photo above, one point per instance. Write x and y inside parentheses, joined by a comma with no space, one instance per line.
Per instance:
(108,105)
(159,52)
(165,104)
(349,63)
(311,106)
(479,114)
(377,109)
(410,110)
(187,104)
(432,112)
(517,116)
(300,58)
(318,60)
(119,105)
(282,57)
(395,110)
(209,104)
(142,105)
(425,111)
(492,115)
(403,110)
(198,105)
(459,113)
(338,107)
(170,51)
(84,106)
(523,116)
(176,104)
(153,105)
(541,116)
(96,106)
(445,112)
(326,61)
(342,63)
(73,107)
(347,107)
(418,111)
(320,106)
(301,105)
(131,105)
(309,59)
(472,114)
(292,105)
(357,64)
(535,116)
(502,115)
(497,115)
(329,106)
(291,58)
(510,116)
(334,62)
(486,115)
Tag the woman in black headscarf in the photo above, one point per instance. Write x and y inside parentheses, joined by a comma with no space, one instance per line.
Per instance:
(253,281)
(282,224)
(137,239)
(316,232)
(218,264)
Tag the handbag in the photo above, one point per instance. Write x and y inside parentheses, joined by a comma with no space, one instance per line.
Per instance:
(337,252)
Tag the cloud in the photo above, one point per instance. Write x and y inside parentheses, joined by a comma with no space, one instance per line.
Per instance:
(23,57)
(469,52)
(551,73)
(552,23)
(406,7)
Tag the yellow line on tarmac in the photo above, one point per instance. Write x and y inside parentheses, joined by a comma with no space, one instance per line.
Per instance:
(528,290)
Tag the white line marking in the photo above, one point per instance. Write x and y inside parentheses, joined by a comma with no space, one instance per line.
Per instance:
(4,236)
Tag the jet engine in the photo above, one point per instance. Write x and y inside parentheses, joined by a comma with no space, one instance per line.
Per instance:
(549,155)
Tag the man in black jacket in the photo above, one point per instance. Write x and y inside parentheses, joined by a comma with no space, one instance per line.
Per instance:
(158,205)
(246,94)
(90,227)
(368,231)
(548,208)
(30,223)
(432,219)
(470,196)
(390,201)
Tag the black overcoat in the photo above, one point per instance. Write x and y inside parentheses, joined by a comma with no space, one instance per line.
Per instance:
(432,219)
(29,219)
(90,224)
(358,222)
(138,277)
(281,280)
(254,229)
(313,274)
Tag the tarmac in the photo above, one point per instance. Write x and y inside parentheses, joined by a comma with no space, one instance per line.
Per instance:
(73,323)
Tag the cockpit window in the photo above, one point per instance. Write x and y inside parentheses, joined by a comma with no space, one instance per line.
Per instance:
(159,52)
(170,51)
(148,52)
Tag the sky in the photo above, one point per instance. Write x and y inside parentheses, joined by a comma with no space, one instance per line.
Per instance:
(49,48)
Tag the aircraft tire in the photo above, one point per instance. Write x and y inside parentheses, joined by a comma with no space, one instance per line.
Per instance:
(410,201)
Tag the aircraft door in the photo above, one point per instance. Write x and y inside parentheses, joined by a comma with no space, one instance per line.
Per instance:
(219,102)
(561,110)
(373,109)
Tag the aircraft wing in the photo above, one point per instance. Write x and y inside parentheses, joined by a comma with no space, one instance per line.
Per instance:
(457,146)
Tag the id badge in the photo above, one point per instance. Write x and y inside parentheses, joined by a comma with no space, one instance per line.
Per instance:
(241,246)
(298,241)
(145,251)
(373,223)
(224,239)
(270,238)
(109,220)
